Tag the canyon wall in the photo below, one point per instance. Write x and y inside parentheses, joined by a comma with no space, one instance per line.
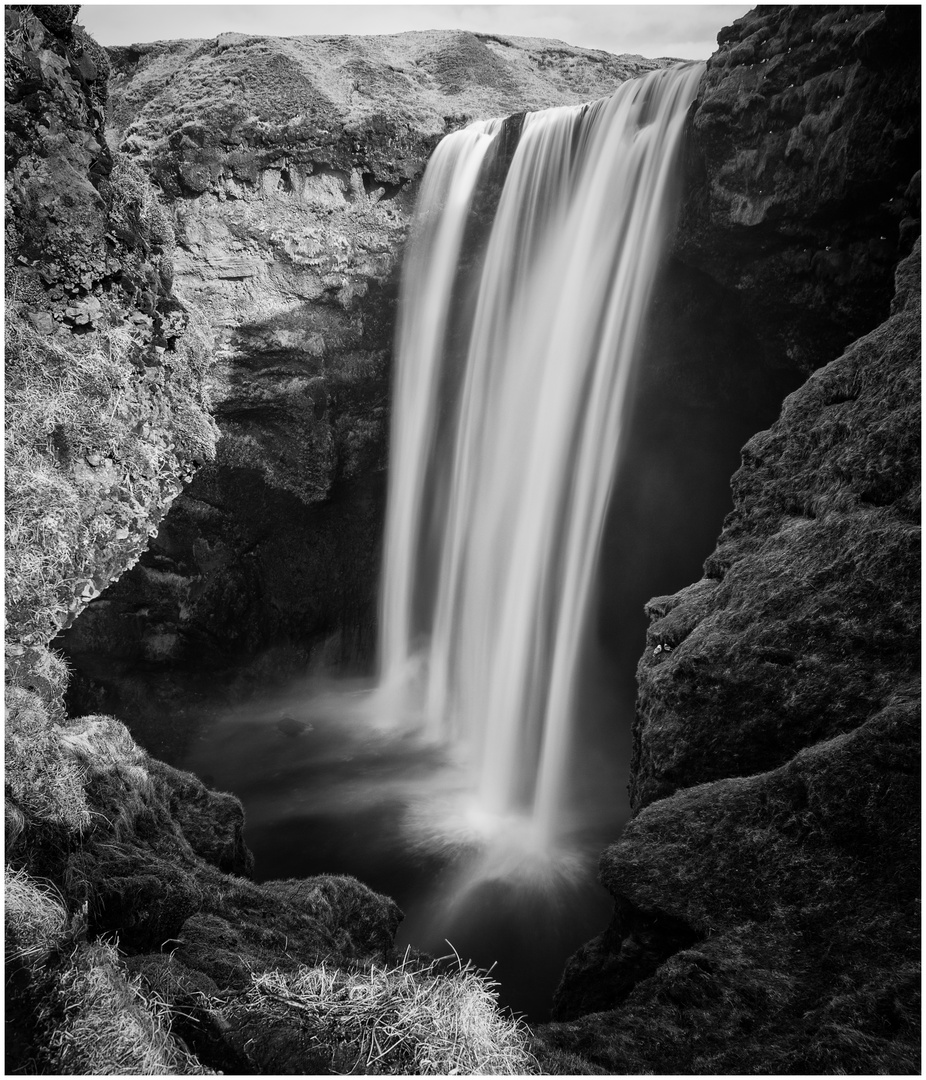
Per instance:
(766,888)
(764,891)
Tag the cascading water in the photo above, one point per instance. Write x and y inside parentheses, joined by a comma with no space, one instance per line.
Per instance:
(497,498)
(450,786)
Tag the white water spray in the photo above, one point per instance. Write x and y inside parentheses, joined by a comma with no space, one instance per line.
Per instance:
(497,498)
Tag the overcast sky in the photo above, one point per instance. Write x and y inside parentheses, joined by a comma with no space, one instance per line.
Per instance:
(683,30)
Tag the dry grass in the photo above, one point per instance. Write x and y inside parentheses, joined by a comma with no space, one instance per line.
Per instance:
(402,1020)
(42,782)
(111,1026)
(94,450)
(34,918)
(102,749)
(137,210)
(106,414)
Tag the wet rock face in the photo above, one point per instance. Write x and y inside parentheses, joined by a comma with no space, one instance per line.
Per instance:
(775,772)
(801,628)
(803,186)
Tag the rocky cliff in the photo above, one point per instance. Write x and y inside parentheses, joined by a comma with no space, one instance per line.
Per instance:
(292,165)
(767,888)
(766,915)
(764,891)
(802,187)
(106,420)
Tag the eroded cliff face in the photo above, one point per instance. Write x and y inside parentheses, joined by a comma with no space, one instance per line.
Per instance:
(293,166)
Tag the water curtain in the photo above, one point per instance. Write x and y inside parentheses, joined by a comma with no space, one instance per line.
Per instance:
(500,473)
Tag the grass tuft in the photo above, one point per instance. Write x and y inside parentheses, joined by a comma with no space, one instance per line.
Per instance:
(43,783)
(406,1019)
(110,1025)
(97,445)
(34,917)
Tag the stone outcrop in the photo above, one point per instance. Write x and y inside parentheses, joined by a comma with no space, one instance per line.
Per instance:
(292,165)
(766,891)
(802,186)
(105,366)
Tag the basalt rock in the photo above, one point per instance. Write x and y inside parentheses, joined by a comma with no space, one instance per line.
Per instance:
(802,185)
(774,855)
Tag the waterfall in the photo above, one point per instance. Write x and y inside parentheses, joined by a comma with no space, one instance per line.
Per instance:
(501,469)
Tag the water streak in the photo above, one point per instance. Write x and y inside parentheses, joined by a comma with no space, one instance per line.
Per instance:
(497,499)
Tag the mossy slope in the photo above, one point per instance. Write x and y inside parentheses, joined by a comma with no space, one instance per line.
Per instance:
(106,413)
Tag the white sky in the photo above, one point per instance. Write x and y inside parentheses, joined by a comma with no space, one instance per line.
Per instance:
(684,30)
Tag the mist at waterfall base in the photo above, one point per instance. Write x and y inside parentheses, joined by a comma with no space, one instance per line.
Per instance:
(477,780)
(328,790)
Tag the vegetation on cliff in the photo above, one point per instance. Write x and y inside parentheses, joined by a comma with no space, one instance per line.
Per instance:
(105,409)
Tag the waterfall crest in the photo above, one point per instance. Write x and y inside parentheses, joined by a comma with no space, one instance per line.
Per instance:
(497,496)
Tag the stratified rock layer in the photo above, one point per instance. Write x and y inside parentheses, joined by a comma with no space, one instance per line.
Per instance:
(766,916)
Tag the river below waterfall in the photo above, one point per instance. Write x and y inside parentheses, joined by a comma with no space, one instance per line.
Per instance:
(328,790)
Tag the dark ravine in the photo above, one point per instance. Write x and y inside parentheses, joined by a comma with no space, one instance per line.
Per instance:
(766,888)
